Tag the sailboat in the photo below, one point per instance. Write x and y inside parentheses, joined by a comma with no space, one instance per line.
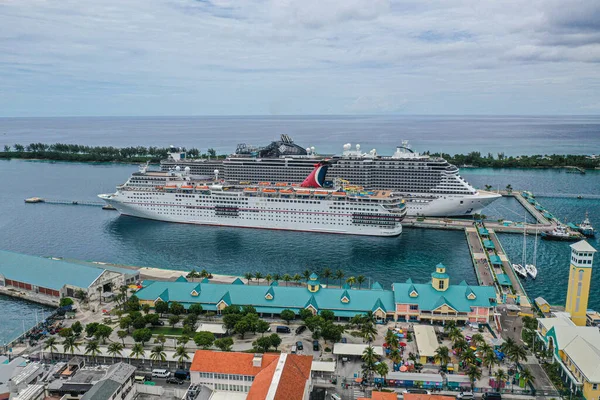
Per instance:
(520,268)
(531,268)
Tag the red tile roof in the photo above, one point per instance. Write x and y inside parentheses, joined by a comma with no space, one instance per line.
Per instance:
(230,362)
(295,374)
(380,396)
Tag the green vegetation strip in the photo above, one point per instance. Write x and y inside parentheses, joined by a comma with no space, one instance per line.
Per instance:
(167,331)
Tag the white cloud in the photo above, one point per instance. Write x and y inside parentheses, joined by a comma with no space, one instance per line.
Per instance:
(78,57)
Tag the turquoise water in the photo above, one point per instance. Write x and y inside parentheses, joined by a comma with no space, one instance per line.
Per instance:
(18,315)
(89,233)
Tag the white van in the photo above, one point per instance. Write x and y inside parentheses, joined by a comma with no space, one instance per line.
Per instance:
(160,373)
(335,396)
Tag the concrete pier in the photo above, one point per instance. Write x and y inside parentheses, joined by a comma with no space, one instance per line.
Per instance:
(480,261)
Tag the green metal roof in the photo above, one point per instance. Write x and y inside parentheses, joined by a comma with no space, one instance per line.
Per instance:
(313,276)
(47,272)
(439,275)
(503,280)
(238,281)
(293,298)
(376,286)
(181,279)
(489,244)
(456,295)
(483,231)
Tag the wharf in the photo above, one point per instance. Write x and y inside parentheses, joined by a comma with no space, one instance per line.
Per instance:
(479,257)
(534,212)
(34,200)
(462,224)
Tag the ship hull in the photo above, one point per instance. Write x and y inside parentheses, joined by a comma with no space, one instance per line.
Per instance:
(448,206)
(248,221)
(548,236)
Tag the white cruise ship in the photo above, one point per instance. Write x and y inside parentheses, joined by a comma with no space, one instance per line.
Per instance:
(430,185)
(176,196)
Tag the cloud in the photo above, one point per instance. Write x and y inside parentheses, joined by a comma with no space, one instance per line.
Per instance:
(174,57)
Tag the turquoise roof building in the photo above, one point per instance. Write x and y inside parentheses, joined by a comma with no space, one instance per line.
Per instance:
(437,300)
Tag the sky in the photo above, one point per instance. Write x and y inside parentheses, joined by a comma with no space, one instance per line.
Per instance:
(284,57)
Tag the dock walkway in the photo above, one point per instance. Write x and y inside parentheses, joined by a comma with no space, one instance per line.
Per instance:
(532,210)
(507,269)
(479,258)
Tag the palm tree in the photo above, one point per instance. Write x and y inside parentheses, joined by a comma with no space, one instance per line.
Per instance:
(115,348)
(468,357)
(276,277)
(326,274)
(382,369)
(92,348)
(474,374)
(391,339)
(477,340)
(442,355)
(508,345)
(351,281)
(369,359)
(339,274)
(51,345)
(258,276)
(489,359)
(306,274)
(455,334)
(360,280)
(182,340)
(249,276)
(287,278)
(460,345)
(268,278)
(297,278)
(181,354)
(368,332)
(137,350)
(488,188)
(500,377)
(70,344)
(509,188)
(518,353)
(449,326)
(158,353)
(395,356)
(526,376)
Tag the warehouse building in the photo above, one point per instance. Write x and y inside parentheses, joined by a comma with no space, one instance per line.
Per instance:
(56,278)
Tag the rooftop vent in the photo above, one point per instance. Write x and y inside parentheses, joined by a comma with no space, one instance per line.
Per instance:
(257,360)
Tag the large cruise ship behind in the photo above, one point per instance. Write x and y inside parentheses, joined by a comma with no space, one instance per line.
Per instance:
(430,185)
(315,205)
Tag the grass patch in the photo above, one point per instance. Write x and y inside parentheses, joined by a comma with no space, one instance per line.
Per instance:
(166,330)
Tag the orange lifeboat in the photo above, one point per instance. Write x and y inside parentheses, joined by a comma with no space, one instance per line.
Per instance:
(339,194)
(286,191)
(171,187)
(264,184)
(281,184)
(321,193)
(201,187)
(187,187)
(269,191)
(295,184)
(303,192)
(250,189)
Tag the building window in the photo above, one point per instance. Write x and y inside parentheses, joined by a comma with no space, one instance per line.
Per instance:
(441,284)
(414,307)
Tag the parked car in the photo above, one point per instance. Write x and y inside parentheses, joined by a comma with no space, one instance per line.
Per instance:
(344,340)
(299,345)
(416,391)
(465,395)
(315,345)
(174,380)
(283,329)
(492,396)
(300,329)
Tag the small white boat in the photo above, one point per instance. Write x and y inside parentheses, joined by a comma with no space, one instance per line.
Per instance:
(520,270)
(531,270)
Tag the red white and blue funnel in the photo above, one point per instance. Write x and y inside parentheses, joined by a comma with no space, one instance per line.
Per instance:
(316,179)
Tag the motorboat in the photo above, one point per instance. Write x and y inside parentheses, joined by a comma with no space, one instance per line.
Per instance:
(520,270)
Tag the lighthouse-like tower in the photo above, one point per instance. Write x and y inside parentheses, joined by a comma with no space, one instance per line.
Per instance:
(580,277)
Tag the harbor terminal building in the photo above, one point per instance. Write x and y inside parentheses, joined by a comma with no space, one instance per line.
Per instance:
(436,301)
(50,279)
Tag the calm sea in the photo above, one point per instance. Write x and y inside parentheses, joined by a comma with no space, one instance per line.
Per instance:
(511,135)
(89,233)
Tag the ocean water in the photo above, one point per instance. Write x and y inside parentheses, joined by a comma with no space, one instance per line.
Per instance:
(17,316)
(89,233)
(450,134)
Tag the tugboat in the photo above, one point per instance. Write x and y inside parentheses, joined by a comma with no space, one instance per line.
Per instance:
(561,233)
(586,227)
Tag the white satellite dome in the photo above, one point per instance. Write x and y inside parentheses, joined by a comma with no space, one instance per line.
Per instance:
(216,171)
(312,148)
(178,168)
(308,149)
(347,146)
(187,170)
(357,147)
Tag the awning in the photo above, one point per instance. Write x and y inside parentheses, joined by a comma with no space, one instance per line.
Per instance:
(483,231)
(495,260)
(489,244)
(503,280)
(351,349)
